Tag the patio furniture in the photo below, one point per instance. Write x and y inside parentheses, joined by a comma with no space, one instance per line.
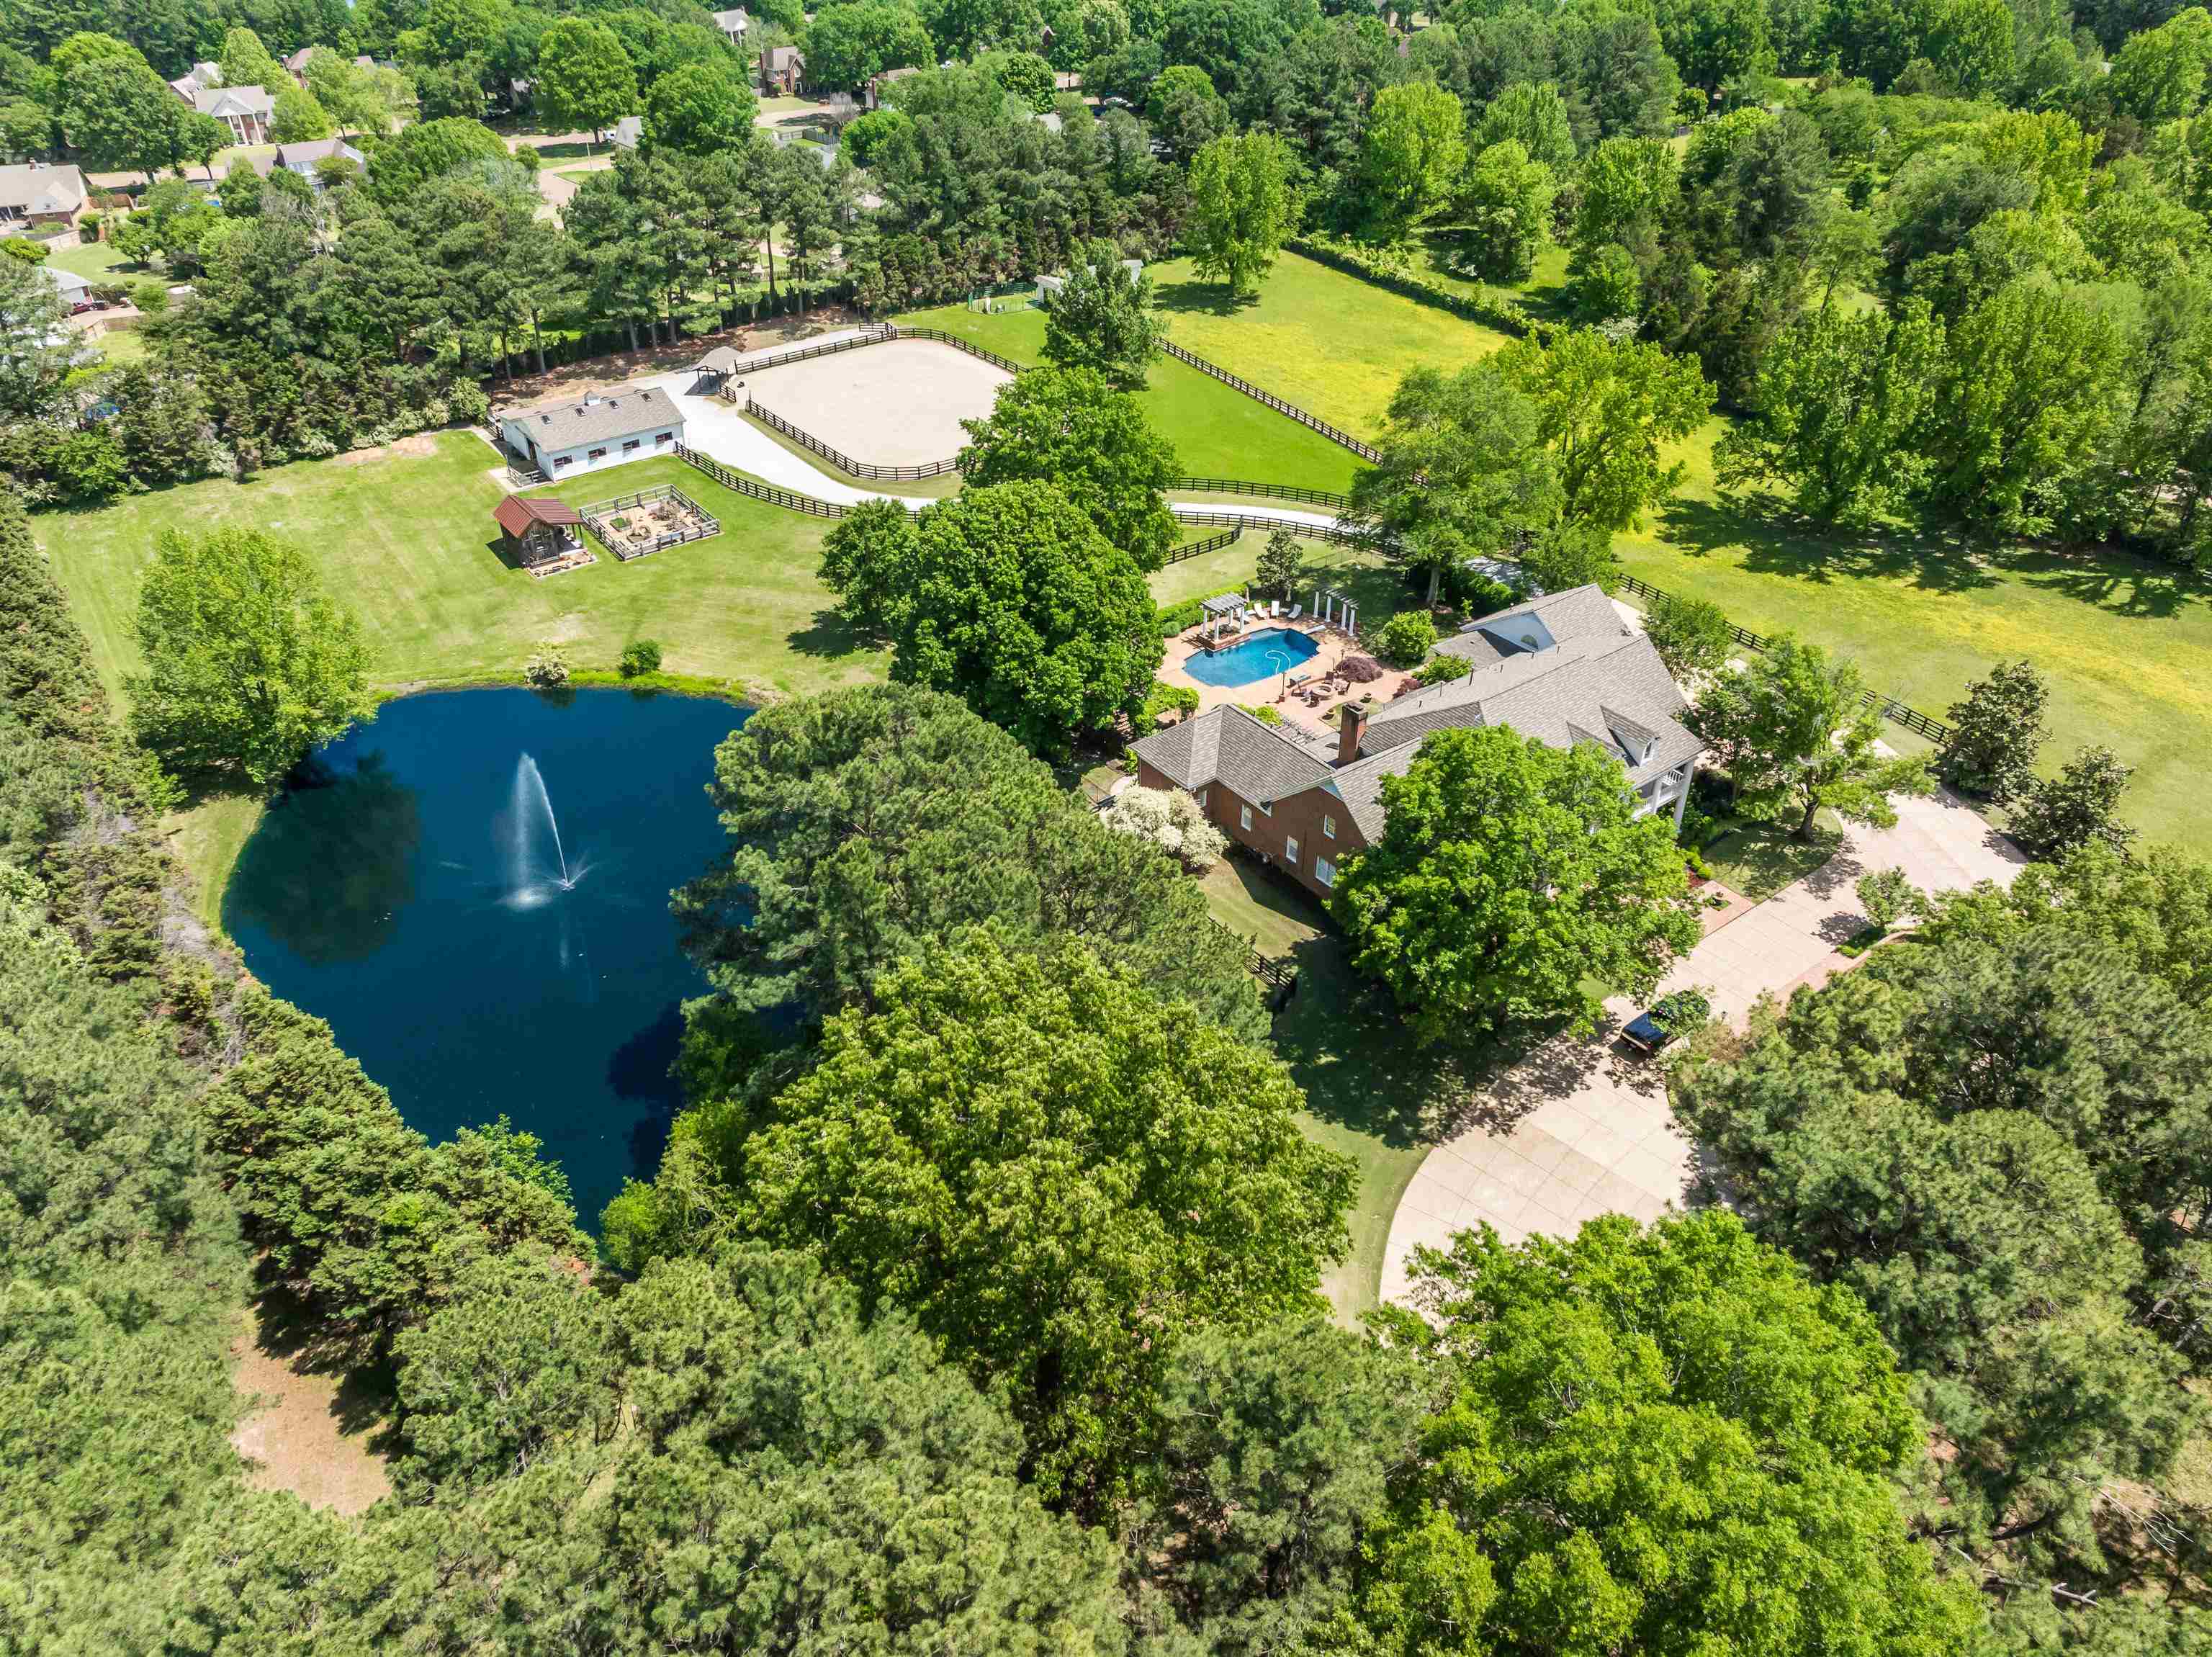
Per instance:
(1297,610)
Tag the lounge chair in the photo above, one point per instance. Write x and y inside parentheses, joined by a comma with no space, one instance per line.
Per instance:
(1297,610)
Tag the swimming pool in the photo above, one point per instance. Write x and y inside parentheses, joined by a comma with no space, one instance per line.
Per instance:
(1261,655)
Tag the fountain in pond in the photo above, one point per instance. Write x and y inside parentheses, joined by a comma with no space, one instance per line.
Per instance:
(531,882)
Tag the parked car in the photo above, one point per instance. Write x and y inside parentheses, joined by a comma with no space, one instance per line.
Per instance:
(1671,1017)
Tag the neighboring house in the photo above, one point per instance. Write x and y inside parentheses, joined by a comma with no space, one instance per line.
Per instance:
(733,25)
(42,198)
(76,290)
(301,158)
(628,131)
(296,64)
(245,109)
(562,439)
(1564,669)
(878,84)
(781,69)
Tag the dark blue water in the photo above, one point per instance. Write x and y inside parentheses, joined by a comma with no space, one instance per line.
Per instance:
(416,898)
(1264,654)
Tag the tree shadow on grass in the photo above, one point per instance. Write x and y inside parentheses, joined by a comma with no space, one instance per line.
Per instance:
(1776,542)
(2119,584)
(831,635)
(366,1399)
(1363,1068)
(1192,295)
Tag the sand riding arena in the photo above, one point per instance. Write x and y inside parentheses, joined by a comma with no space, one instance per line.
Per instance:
(897,404)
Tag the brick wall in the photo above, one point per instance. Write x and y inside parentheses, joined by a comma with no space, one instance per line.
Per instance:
(1300,817)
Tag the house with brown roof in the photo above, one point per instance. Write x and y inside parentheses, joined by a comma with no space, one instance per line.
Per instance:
(42,196)
(597,430)
(781,69)
(1564,669)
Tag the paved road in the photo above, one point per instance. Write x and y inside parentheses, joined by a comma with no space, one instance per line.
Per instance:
(1582,1129)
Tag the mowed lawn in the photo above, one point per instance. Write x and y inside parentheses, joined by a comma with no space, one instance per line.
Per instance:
(406,541)
(1331,344)
(2124,642)
(1217,431)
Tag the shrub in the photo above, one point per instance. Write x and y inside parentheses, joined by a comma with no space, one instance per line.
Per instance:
(1174,617)
(641,656)
(1885,894)
(1436,669)
(1406,638)
(547,666)
(23,248)
(1262,712)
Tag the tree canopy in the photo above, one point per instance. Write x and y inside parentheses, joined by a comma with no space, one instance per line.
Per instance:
(1508,874)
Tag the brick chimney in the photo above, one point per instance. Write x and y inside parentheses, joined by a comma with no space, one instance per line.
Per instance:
(1351,727)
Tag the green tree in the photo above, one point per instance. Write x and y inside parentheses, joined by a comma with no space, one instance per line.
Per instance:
(1281,562)
(297,118)
(864,824)
(1463,472)
(247,62)
(1032,1154)
(1694,636)
(2056,816)
(1715,41)
(1606,409)
(1278,1445)
(1658,1439)
(1506,203)
(868,562)
(1844,407)
(1184,111)
(1885,894)
(1241,206)
(34,320)
(425,151)
(2034,382)
(584,78)
(1996,732)
(1069,428)
(1630,188)
(698,109)
(247,664)
(1026,611)
(120,116)
(1413,152)
(1101,319)
(847,44)
(1534,115)
(2158,76)
(1509,875)
(1796,736)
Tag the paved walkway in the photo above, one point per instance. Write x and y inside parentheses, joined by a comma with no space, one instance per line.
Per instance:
(1582,1128)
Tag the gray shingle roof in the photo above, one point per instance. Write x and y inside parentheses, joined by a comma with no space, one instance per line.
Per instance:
(233,100)
(1228,745)
(1577,613)
(1602,682)
(569,425)
(41,190)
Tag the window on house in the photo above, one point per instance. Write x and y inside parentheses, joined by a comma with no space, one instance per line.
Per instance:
(597,455)
(631,444)
(1202,799)
(1324,871)
(663,437)
(1244,817)
(1267,810)
(1290,850)
(560,460)
(1327,827)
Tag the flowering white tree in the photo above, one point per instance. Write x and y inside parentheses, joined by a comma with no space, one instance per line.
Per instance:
(1170,819)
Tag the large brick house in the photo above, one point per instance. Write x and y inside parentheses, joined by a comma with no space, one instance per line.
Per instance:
(1562,669)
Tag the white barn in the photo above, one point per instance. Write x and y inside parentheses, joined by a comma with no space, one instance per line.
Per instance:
(563,439)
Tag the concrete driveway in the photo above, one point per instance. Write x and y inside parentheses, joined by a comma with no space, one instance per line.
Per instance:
(1581,1128)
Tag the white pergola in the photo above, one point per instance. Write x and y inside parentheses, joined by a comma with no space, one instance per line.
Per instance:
(1229,607)
(1333,609)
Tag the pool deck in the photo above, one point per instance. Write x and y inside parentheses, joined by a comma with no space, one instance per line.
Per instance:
(1334,644)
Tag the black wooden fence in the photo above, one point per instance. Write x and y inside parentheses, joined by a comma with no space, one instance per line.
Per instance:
(1211,544)
(790,500)
(703,527)
(877,335)
(1271,491)
(1912,718)
(901,331)
(844,462)
(1335,534)
(1335,433)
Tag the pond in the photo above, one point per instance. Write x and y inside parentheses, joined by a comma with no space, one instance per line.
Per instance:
(473,890)
(1253,658)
